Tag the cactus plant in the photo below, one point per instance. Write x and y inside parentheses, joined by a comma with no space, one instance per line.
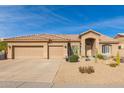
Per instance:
(118,58)
(96,56)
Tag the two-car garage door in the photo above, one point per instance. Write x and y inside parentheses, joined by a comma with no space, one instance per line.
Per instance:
(28,52)
(54,52)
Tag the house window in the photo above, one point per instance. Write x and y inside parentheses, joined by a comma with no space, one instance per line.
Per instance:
(105,49)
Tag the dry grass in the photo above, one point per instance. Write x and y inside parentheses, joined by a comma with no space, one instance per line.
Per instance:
(104,74)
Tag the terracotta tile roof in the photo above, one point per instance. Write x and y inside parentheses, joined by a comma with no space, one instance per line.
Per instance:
(61,37)
(106,39)
(45,37)
(27,38)
(71,37)
(119,35)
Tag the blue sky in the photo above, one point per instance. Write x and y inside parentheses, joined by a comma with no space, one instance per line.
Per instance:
(26,20)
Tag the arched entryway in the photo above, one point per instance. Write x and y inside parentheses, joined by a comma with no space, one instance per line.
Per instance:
(90,47)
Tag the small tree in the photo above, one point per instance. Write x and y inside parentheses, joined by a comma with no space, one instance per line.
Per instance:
(118,58)
(3,46)
(75,50)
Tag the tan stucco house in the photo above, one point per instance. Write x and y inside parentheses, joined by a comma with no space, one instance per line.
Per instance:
(59,46)
(120,38)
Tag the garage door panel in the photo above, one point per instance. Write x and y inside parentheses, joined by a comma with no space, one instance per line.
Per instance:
(28,52)
(56,52)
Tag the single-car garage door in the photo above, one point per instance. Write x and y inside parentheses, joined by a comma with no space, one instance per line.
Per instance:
(28,52)
(56,52)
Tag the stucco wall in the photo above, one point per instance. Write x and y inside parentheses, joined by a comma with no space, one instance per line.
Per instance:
(114,49)
(86,36)
(121,51)
(81,51)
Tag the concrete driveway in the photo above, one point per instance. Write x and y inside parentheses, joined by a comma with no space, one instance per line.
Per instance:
(28,72)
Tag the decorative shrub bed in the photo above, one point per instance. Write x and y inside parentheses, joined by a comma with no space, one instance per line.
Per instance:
(86,69)
(103,57)
(113,65)
(73,58)
(100,56)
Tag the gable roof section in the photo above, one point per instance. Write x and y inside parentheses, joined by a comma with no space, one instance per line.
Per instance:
(45,37)
(103,38)
(90,30)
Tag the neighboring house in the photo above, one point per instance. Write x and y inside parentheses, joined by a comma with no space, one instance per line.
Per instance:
(60,46)
(120,38)
(2,52)
(1,39)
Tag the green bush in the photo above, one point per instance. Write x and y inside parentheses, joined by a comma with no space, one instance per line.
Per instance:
(73,58)
(3,46)
(100,56)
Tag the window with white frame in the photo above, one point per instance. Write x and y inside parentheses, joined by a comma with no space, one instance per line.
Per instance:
(106,49)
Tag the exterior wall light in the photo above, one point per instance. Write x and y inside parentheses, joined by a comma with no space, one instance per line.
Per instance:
(9,46)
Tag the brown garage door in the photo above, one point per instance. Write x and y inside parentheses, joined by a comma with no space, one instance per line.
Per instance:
(56,52)
(28,52)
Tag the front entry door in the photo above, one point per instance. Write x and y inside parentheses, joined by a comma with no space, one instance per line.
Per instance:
(88,50)
(90,46)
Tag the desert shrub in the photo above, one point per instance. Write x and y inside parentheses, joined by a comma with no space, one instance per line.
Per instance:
(73,58)
(88,69)
(113,65)
(82,69)
(100,56)
(118,58)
